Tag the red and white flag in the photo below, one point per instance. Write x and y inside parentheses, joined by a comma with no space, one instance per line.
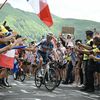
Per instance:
(41,8)
(7,59)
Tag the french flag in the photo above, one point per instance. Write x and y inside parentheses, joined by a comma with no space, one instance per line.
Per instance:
(7,59)
(41,8)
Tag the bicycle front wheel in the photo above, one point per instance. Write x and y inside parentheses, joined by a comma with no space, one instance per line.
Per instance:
(38,79)
(50,79)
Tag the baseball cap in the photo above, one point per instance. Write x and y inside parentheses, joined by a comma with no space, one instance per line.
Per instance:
(89,33)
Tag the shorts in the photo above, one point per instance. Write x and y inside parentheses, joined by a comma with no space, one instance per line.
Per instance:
(98,67)
(44,56)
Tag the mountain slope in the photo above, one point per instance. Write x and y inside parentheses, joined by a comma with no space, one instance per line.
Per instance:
(29,25)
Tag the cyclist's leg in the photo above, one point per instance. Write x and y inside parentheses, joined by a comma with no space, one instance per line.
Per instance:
(44,56)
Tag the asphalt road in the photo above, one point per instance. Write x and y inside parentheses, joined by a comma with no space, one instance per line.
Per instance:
(28,91)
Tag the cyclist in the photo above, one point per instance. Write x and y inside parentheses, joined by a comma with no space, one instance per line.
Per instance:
(45,48)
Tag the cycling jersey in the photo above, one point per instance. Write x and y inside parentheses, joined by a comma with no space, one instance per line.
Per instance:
(44,46)
(44,50)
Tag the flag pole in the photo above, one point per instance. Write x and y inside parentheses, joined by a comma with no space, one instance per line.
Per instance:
(3,4)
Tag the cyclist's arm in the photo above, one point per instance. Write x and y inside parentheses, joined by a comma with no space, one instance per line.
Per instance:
(40,43)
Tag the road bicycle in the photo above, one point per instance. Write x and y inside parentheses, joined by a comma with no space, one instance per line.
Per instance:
(47,76)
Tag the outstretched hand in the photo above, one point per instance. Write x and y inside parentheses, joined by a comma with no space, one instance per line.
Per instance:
(15,34)
(91,56)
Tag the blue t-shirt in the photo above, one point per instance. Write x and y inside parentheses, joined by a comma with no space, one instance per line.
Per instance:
(98,56)
(16,66)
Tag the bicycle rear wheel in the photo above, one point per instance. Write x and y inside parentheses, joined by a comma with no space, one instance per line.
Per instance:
(50,79)
(38,79)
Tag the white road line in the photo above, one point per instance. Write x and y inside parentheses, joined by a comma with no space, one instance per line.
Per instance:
(19,82)
(29,81)
(33,87)
(45,94)
(59,89)
(87,95)
(33,83)
(2,94)
(24,91)
(93,95)
(14,84)
(90,97)
(37,99)
(81,92)
(10,91)
(56,92)
(28,99)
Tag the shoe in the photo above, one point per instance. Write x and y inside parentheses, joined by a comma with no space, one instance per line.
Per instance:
(6,84)
(97,87)
(75,85)
(80,85)
(2,86)
(64,82)
(84,89)
(71,82)
(90,90)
